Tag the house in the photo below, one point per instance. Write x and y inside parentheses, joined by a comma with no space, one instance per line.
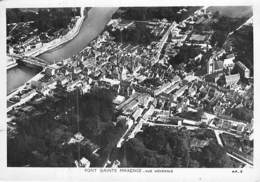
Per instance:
(171,88)
(179,92)
(129,108)
(52,69)
(228,64)
(190,122)
(162,88)
(218,66)
(148,113)
(198,38)
(198,57)
(196,143)
(210,65)
(242,69)
(85,88)
(90,146)
(36,84)
(230,57)
(232,79)
(67,61)
(137,113)
(52,84)
(220,53)
(167,85)
(191,78)
(64,80)
(192,91)
(130,99)
(27,109)
(77,70)
(83,163)
(110,81)
(119,99)
(46,91)
(214,77)
(10,50)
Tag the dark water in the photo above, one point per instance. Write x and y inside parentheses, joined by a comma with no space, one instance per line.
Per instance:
(18,75)
(92,26)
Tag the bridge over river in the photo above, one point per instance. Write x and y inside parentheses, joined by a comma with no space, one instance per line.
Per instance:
(38,62)
(91,27)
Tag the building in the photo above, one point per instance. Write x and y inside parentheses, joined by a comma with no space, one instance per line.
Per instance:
(228,63)
(130,99)
(191,122)
(242,69)
(52,69)
(51,84)
(46,91)
(90,146)
(130,107)
(172,88)
(191,77)
(10,50)
(210,65)
(218,66)
(119,99)
(230,57)
(137,113)
(67,61)
(198,38)
(232,79)
(192,91)
(196,143)
(179,92)
(64,80)
(110,81)
(77,70)
(148,113)
(198,57)
(27,109)
(214,65)
(85,88)
(83,163)
(229,124)
(167,85)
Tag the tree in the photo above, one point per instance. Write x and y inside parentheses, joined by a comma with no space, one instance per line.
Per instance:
(216,15)
(214,156)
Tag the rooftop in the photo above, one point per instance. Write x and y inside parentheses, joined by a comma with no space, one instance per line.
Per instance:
(241,65)
(198,37)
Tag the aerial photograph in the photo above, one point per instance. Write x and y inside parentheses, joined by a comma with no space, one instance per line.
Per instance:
(130,87)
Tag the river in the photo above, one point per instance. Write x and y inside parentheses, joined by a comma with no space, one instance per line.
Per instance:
(18,75)
(91,27)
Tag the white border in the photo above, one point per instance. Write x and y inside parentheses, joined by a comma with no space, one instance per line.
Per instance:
(182,174)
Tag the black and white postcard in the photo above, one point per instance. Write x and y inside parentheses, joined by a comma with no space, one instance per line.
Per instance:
(129,89)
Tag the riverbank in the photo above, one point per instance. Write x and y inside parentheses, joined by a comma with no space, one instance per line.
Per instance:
(11,65)
(58,42)
(13,93)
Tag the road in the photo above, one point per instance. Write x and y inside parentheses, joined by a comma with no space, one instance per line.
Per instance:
(246,23)
(247,164)
(166,35)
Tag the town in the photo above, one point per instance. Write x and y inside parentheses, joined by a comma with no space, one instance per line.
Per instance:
(209,91)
